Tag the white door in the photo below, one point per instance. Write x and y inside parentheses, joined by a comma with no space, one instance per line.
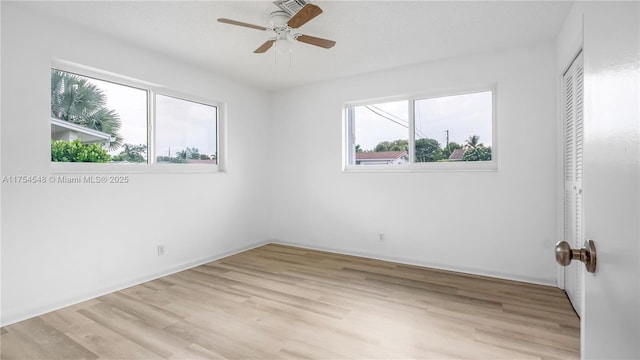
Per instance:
(611,309)
(572,99)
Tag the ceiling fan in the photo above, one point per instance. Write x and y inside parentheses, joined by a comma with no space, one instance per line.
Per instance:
(293,15)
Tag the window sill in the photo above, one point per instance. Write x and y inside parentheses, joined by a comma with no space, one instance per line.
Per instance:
(92,168)
(490,166)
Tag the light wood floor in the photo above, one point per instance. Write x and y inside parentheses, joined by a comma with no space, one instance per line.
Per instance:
(278,302)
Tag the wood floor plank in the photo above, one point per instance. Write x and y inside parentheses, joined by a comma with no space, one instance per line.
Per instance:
(109,344)
(283,302)
(524,346)
(297,349)
(217,340)
(14,346)
(151,314)
(37,339)
(134,329)
(65,318)
(196,352)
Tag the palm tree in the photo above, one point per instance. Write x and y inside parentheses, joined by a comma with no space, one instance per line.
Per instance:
(181,155)
(473,142)
(133,153)
(76,100)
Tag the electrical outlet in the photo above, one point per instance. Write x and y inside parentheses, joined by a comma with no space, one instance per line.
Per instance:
(381,237)
(160,250)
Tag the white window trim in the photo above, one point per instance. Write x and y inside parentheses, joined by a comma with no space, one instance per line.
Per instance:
(348,158)
(151,167)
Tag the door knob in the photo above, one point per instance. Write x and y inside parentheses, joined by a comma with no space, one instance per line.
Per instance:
(564,254)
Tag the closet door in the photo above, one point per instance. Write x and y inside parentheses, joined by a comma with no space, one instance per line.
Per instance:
(573,149)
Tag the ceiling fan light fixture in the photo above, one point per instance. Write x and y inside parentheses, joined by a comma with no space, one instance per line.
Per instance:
(284,44)
(283,50)
(279,20)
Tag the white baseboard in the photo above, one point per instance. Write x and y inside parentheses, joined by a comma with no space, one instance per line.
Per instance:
(415,262)
(13,318)
(8,319)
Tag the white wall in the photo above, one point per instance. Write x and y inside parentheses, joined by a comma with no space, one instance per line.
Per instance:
(65,243)
(497,223)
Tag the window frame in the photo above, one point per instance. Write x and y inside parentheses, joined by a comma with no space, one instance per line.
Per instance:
(151,167)
(348,158)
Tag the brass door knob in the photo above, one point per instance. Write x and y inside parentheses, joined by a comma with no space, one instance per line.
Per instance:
(564,254)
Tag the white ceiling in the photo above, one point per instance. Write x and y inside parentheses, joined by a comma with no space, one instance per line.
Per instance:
(370,35)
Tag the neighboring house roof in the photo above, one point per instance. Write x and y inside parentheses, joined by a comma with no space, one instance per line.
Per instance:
(87,135)
(380,155)
(456,154)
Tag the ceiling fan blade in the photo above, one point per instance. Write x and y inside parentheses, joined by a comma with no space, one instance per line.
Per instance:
(240,23)
(323,43)
(266,46)
(304,15)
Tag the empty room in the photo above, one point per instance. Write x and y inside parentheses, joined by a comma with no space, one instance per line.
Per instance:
(320,180)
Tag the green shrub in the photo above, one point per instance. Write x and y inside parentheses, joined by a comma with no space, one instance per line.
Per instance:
(76,151)
(479,153)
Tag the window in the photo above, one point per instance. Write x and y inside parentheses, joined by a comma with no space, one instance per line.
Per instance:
(443,132)
(99,121)
(185,131)
(104,117)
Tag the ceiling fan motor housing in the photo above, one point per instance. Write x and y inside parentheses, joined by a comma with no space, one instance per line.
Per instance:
(279,21)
